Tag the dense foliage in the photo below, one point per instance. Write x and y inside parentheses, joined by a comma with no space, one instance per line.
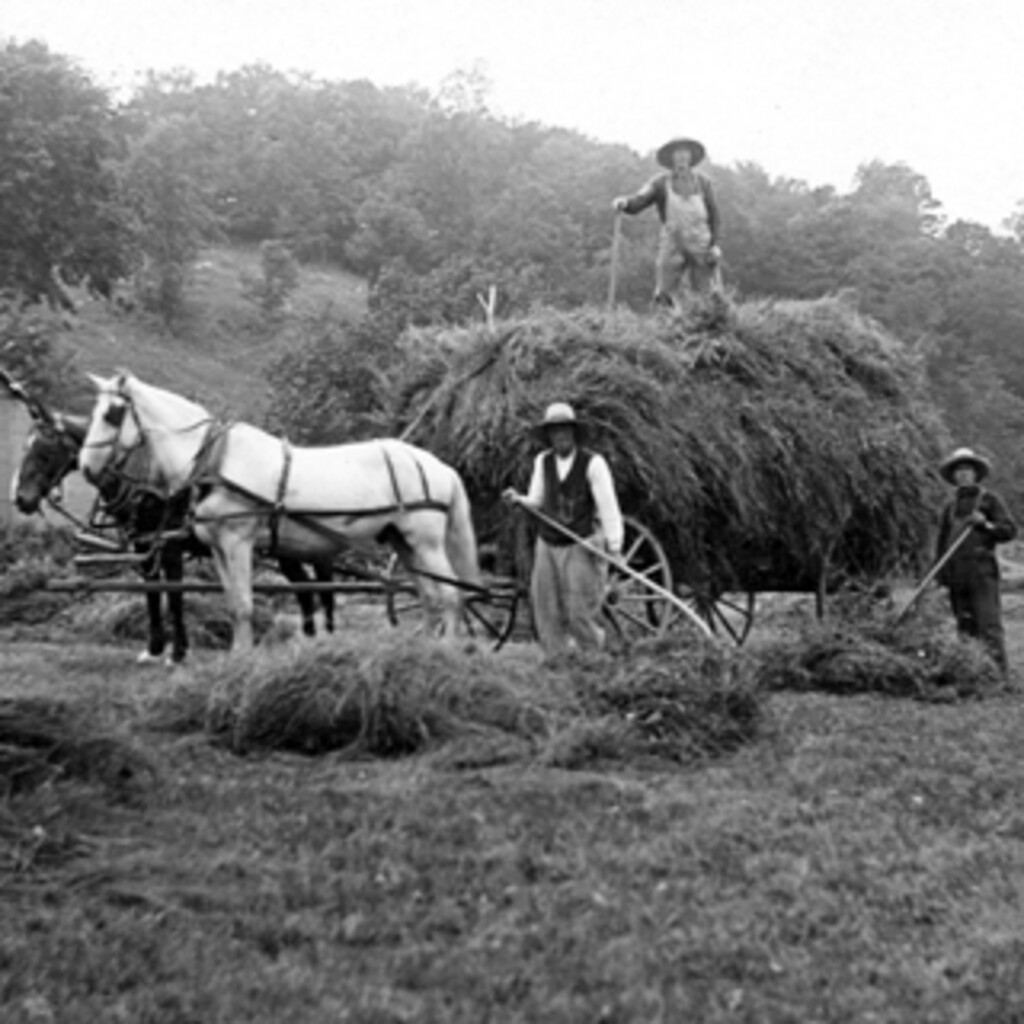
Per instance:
(59,204)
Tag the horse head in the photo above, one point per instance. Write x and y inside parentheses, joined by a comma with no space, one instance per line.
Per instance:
(50,454)
(130,415)
(113,426)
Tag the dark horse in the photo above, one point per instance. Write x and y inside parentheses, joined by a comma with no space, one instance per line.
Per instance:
(155,524)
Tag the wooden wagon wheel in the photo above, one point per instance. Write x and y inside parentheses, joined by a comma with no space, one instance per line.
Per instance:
(490,615)
(633,611)
(728,614)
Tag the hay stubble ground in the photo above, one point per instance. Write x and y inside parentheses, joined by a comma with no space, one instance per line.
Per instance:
(864,861)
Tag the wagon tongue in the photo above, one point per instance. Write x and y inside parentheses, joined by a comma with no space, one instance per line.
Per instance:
(98,543)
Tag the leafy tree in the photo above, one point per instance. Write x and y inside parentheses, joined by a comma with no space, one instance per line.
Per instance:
(171,209)
(894,201)
(59,203)
(327,386)
(980,411)
(777,239)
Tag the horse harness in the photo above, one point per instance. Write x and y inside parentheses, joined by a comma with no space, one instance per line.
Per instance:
(206,473)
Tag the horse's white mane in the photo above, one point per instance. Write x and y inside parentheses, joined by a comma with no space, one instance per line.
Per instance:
(127,383)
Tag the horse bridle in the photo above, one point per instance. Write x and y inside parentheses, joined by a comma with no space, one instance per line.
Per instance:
(130,484)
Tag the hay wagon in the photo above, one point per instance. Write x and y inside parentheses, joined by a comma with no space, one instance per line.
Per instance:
(787,447)
(757,448)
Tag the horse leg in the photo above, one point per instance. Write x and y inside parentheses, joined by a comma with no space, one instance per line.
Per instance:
(324,572)
(293,571)
(232,556)
(443,601)
(174,572)
(156,640)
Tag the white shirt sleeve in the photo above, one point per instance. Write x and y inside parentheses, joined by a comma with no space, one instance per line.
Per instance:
(535,494)
(599,475)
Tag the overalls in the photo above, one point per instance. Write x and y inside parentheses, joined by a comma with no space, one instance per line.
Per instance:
(684,244)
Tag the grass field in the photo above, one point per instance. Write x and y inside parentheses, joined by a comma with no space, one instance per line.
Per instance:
(862,861)
(217,354)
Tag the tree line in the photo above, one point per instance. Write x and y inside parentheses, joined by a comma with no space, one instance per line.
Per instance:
(433,199)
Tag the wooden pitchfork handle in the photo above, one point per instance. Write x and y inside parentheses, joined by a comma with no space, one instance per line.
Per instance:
(613,278)
(621,566)
(935,570)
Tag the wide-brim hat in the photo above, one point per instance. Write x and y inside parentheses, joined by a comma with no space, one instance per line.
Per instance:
(664,155)
(965,456)
(559,414)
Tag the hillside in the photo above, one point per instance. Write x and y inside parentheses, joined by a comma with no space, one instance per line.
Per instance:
(218,354)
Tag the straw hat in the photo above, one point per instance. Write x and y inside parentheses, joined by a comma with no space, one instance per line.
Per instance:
(664,155)
(965,456)
(559,414)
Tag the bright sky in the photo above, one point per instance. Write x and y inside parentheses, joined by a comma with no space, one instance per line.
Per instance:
(808,89)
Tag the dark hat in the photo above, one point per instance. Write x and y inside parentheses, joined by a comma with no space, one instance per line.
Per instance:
(961,457)
(664,155)
(559,414)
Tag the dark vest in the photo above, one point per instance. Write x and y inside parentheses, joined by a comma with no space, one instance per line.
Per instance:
(569,501)
(977,549)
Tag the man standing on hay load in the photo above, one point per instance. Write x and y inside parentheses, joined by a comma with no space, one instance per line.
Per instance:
(688,249)
(972,572)
(573,487)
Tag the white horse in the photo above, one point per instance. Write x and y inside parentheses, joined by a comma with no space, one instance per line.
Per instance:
(255,490)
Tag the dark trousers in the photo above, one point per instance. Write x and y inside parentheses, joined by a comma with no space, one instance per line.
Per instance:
(978,611)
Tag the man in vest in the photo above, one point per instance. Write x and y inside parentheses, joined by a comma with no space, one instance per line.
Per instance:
(972,573)
(688,249)
(573,486)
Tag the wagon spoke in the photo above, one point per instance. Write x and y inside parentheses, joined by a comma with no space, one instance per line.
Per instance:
(741,618)
(634,604)
(495,613)
(642,622)
(723,613)
(633,549)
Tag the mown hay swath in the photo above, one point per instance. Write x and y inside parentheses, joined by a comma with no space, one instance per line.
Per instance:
(368,698)
(679,699)
(371,698)
(760,448)
(920,658)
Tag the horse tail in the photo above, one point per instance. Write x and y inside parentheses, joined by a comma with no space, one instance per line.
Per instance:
(460,537)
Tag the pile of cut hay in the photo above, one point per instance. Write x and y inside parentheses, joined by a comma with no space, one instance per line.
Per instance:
(370,698)
(680,699)
(790,437)
(366,698)
(920,658)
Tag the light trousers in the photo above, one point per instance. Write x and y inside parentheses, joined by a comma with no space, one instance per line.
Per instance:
(567,589)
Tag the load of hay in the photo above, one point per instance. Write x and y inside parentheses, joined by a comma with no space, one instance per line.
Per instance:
(761,447)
